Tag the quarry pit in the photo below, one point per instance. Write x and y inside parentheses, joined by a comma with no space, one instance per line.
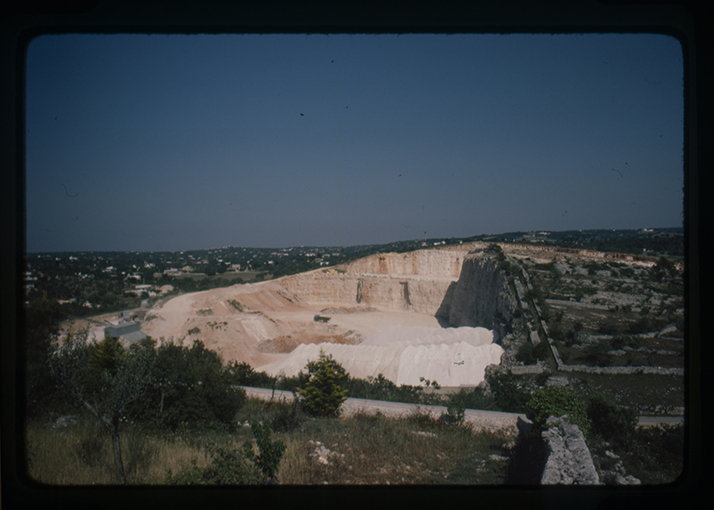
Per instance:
(437,313)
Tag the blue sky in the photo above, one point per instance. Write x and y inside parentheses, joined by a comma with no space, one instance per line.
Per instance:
(156,142)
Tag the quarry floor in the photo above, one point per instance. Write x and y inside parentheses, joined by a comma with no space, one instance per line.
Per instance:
(269,323)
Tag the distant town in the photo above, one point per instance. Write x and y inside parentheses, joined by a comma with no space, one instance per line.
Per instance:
(90,283)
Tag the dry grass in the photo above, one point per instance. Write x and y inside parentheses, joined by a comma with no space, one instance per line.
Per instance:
(366,449)
(370,449)
(82,455)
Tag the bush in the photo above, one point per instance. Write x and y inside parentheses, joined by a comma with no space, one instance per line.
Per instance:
(556,401)
(597,353)
(190,388)
(526,353)
(610,421)
(621,341)
(541,351)
(43,317)
(455,410)
(228,467)
(288,415)
(324,391)
(655,455)
(507,396)
(642,325)
(244,375)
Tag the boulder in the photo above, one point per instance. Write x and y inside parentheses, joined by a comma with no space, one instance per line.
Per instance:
(568,457)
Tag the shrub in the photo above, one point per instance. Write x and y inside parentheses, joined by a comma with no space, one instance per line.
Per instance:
(656,454)
(607,327)
(610,421)
(507,396)
(244,375)
(541,351)
(228,467)
(621,341)
(324,391)
(270,452)
(641,325)
(597,353)
(455,410)
(288,415)
(557,401)
(190,388)
(526,354)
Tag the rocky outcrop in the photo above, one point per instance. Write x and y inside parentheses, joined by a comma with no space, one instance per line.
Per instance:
(568,460)
(482,296)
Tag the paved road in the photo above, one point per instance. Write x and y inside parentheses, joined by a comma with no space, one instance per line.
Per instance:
(648,421)
(477,418)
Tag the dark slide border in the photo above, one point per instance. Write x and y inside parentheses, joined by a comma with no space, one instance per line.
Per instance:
(20,21)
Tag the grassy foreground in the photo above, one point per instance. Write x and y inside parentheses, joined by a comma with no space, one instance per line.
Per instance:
(363,449)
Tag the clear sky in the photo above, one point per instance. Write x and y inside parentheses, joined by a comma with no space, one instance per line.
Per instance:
(163,143)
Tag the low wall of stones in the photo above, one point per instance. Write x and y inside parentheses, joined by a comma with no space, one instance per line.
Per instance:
(527,369)
(621,370)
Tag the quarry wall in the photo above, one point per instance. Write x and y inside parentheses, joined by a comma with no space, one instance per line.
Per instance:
(482,296)
(400,293)
(437,262)
(461,287)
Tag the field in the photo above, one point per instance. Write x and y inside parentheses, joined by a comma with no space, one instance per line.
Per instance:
(363,449)
(605,312)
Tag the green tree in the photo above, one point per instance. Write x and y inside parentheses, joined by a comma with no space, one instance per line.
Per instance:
(324,392)
(190,388)
(269,452)
(106,392)
(507,395)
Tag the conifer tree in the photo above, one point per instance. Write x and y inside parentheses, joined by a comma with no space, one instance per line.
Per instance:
(323,393)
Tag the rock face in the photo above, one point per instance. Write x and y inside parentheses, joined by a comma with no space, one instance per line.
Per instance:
(462,288)
(399,293)
(482,296)
(568,459)
(416,281)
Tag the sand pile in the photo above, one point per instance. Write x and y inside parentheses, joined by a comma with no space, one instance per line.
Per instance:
(451,356)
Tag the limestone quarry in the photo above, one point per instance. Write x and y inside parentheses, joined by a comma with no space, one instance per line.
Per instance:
(436,313)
